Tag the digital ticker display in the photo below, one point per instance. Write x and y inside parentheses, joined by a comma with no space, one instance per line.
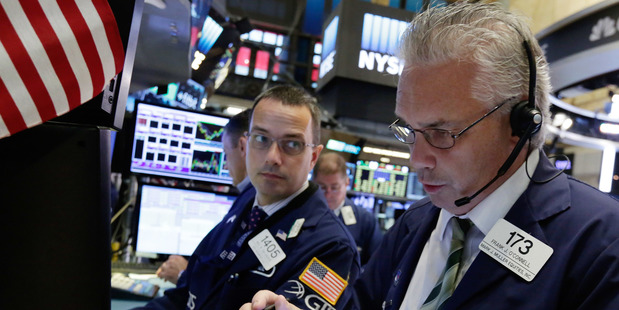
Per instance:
(179,143)
(380,178)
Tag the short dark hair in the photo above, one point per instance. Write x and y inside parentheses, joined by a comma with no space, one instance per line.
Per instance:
(238,125)
(295,96)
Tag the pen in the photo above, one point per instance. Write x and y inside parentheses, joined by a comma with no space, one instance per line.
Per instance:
(271,307)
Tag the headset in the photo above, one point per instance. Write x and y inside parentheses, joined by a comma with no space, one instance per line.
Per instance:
(525,120)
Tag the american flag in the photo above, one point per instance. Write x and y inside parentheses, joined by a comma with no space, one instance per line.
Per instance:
(54,56)
(323,280)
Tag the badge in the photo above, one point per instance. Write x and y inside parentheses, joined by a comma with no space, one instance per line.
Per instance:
(323,281)
(281,235)
(348,215)
(296,228)
(266,249)
(520,252)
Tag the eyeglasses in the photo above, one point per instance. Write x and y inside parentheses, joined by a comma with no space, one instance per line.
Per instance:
(333,188)
(438,138)
(288,146)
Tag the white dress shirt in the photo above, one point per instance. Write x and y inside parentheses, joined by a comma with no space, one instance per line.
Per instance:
(484,216)
(270,209)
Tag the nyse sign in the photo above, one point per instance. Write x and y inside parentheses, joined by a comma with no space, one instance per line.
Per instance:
(379,40)
(374,61)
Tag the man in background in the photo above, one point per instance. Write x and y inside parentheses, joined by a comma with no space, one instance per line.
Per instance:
(279,234)
(234,144)
(330,174)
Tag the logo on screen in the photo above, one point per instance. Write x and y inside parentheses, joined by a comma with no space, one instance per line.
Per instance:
(379,41)
(328,47)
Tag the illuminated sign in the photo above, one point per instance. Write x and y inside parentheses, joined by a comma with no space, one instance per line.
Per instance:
(379,41)
(340,146)
(360,42)
(328,50)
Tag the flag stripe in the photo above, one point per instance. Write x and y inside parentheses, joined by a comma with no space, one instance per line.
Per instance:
(71,49)
(329,294)
(37,36)
(26,71)
(54,56)
(10,117)
(86,44)
(113,36)
(329,285)
(94,22)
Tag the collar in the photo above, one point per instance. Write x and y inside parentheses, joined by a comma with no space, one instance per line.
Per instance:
(338,210)
(276,206)
(243,184)
(499,202)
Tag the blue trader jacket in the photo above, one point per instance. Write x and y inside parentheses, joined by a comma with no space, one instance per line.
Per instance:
(366,231)
(577,221)
(211,283)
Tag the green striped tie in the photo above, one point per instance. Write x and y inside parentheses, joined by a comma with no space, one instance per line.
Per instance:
(447,282)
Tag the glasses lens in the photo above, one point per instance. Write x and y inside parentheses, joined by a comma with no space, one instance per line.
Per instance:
(259,141)
(403,134)
(291,147)
(439,138)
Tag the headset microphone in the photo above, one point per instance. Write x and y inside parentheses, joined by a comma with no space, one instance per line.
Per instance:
(525,121)
(508,163)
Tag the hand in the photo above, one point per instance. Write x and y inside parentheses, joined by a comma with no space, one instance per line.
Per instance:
(170,269)
(266,298)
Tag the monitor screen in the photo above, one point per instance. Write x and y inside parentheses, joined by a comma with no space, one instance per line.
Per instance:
(350,172)
(380,178)
(365,201)
(179,143)
(175,220)
(414,189)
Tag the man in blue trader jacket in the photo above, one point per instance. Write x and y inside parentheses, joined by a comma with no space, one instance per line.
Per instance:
(330,174)
(279,234)
(502,228)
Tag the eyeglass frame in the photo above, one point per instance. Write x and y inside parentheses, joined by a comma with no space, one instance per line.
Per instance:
(453,137)
(279,143)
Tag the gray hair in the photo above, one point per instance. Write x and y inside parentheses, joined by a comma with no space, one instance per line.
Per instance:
(488,36)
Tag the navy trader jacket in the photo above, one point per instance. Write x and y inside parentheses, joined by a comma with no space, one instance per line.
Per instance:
(577,221)
(211,283)
(365,231)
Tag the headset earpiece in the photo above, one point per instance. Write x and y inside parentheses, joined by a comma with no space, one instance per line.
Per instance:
(522,116)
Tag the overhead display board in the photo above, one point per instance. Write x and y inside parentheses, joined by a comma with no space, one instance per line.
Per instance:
(360,41)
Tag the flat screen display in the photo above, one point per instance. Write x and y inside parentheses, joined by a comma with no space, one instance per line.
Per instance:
(179,143)
(175,220)
(380,178)
(414,189)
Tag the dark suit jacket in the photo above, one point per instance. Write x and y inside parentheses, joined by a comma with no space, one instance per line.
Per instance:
(209,284)
(366,232)
(580,223)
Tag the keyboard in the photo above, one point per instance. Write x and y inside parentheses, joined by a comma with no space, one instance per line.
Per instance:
(132,267)
(124,287)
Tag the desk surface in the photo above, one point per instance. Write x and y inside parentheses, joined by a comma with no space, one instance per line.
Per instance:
(118,304)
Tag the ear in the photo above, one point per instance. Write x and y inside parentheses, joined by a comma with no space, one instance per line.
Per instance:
(315,153)
(242,145)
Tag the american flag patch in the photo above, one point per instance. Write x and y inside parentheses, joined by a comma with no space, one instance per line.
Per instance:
(323,280)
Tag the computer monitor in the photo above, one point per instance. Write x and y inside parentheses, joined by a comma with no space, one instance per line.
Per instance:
(414,189)
(380,178)
(179,143)
(175,220)
(350,172)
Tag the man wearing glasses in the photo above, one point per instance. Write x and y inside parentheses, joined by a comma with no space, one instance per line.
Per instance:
(279,235)
(330,174)
(502,227)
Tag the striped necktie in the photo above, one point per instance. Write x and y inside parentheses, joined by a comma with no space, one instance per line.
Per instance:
(447,282)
